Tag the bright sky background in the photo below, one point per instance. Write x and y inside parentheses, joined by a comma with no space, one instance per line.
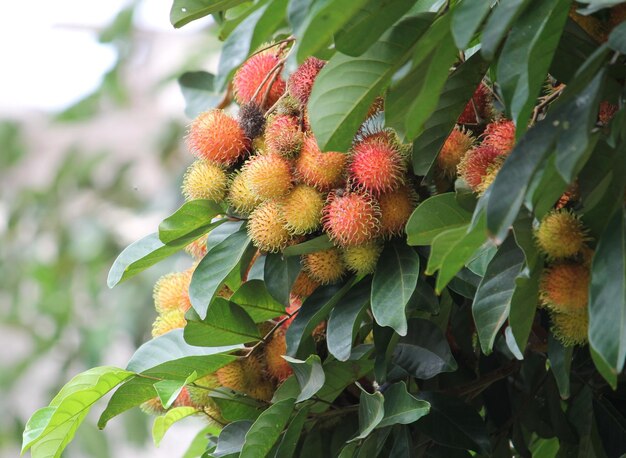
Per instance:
(49,50)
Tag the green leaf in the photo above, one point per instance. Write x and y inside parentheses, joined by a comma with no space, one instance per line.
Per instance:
(617,38)
(310,375)
(168,390)
(266,429)
(466,19)
(56,424)
(560,358)
(401,407)
(214,268)
(371,412)
(368,24)
(345,320)
(324,19)
(199,443)
(346,87)
(226,323)
(491,305)
(280,274)
(607,298)
(394,282)
(192,220)
(319,243)
(424,352)
(235,406)
(433,216)
(185,11)
(288,444)
(164,422)
(254,298)
(499,24)
(526,57)
(199,92)
(232,437)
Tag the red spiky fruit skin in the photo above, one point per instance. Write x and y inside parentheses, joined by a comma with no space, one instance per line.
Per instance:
(480,105)
(250,76)
(500,135)
(323,171)
(283,135)
(456,145)
(606,112)
(376,165)
(351,218)
(274,350)
(476,163)
(301,81)
(217,137)
(396,208)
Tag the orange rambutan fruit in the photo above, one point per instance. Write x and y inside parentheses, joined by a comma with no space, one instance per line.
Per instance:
(351,218)
(216,137)
(197,249)
(253,74)
(268,175)
(200,391)
(183,399)
(479,106)
(303,286)
(301,81)
(325,266)
(168,321)
(323,171)
(561,234)
(205,180)
(240,195)
(302,209)
(456,145)
(362,259)
(564,287)
(376,165)
(232,376)
(570,328)
(171,292)
(476,163)
(500,135)
(266,228)
(274,350)
(283,135)
(246,376)
(395,209)
(606,112)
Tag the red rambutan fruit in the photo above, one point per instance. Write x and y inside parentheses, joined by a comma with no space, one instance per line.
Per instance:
(351,218)
(606,112)
(283,135)
(254,72)
(478,105)
(217,137)
(456,145)
(266,228)
(269,175)
(476,163)
(500,135)
(301,81)
(325,266)
(395,209)
(323,171)
(376,164)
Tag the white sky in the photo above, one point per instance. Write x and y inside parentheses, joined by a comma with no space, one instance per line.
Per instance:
(49,50)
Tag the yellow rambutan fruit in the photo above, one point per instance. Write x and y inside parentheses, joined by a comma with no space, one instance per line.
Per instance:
(205,180)
(246,375)
(362,259)
(213,413)
(240,195)
(564,287)
(216,137)
(351,218)
(199,392)
(302,209)
(571,328)
(283,135)
(232,376)
(167,321)
(274,350)
(171,292)
(456,145)
(323,171)
(153,407)
(325,266)
(197,248)
(303,286)
(500,135)
(251,82)
(395,209)
(490,175)
(268,175)
(561,234)
(266,228)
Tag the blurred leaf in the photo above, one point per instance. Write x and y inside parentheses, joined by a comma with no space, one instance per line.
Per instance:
(310,375)
(345,320)
(401,407)
(280,273)
(617,38)
(434,216)
(265,431)
(560,358)
(385,340)
(371,412)
(199,92)
(466,20)
(289,442)
(185,11)
(168,390)
(192,220)
(164,422)
(319,243)
(254,298)
(232,437)
(199,444)
(499,23)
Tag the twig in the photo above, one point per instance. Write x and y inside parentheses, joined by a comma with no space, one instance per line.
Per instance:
(279,42)
(227,98)
(271,331)
(544,102)
(274,69)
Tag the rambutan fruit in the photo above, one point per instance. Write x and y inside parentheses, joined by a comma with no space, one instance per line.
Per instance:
(153,407)
(283,135)
(200,392)
(216,137)
(266,229)
(561,234)
(167,321)
(252,78)
(395,209)
(479,106)
(377,106)
(475,164)
(570,328)
(376,165)
(246,376)
(564,287)
(183,399)
(324,171)
(197,249)
(213,413)
(351,218)
(205,180)
(240,195)
(171,292)
(490,175)
(303,286)
(500,135)
(301,81)
(274,350)
(456,145)
(269,175)
(362,259)
(252,120)
(302,209)
(288,106)
(606,112)
(325,266)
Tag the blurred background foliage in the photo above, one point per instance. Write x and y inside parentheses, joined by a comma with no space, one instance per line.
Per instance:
(77,184)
